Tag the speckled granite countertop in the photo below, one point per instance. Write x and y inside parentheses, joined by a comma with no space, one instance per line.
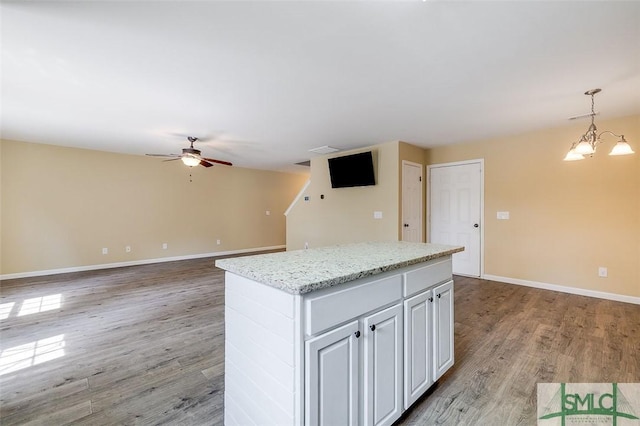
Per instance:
(303,271)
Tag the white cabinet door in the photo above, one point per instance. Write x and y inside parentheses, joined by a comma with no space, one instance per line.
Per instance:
(382,403)
(418,359)
(443,328)
(331,377)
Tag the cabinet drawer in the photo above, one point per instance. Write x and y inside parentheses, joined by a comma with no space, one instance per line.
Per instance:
(337,306)
(422,278)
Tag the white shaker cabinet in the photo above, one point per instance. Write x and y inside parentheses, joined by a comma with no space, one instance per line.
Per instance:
(382,384)
(332,361)
(443,339)
(418,355)
(372,310)
(332,372)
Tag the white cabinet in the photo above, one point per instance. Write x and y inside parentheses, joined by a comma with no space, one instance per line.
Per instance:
(332,363)
(418,358)
(443,328)
(382,384)
(428,332)
(353,370)
(358,353)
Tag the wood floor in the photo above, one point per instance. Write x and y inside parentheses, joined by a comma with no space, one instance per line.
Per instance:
(144,345)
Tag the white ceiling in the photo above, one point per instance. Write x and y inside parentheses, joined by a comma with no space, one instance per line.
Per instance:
(267,81)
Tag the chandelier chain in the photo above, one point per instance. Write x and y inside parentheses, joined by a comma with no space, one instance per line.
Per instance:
(593,112)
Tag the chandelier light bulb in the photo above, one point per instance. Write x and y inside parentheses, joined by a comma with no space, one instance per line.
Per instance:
(621,148)
(572,155)
(584,148)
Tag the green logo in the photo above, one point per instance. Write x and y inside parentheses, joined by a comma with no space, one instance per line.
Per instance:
(587,403)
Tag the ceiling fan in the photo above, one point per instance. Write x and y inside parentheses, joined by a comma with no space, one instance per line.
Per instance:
(191,157)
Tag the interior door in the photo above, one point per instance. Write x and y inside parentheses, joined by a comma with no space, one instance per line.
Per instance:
(455,212)
(411,202)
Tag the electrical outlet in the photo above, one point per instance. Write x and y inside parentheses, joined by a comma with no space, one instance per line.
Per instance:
(218,242)
(105,250)
(268,213)
(164,246)
(377,215)
(602,272)
(127,249)
(306,245)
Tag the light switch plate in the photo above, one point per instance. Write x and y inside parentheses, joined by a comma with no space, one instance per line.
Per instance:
(377,215)
(503,215)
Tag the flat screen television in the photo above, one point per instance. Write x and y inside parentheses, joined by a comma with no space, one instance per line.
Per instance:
(352,170)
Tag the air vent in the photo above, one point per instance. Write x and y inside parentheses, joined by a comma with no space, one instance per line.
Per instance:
(324,150)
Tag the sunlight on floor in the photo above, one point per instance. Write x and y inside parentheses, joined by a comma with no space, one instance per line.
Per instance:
(5,310)
(40,304)
(33,353)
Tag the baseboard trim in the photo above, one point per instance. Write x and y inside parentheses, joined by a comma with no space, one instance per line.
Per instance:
(564,289)
(134,263)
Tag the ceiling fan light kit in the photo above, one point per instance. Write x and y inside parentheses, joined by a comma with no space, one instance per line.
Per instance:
(190,160)
(588,142)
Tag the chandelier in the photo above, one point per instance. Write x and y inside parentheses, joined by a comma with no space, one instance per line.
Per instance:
(587,143)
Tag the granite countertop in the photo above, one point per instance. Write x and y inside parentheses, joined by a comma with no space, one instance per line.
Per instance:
(303,271)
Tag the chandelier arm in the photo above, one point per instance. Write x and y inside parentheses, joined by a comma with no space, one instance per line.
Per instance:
(611,133)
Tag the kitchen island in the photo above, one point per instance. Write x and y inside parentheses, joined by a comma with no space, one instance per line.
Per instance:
(348,334)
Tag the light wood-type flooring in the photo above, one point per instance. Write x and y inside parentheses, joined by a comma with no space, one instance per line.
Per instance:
(144,345)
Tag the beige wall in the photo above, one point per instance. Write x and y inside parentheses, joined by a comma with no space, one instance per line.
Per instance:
(566,218)
(345,215)
(60,206)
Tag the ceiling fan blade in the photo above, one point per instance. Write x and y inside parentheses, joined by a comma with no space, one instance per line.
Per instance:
(206,164)
(165,155)
(211,160)
(173,159)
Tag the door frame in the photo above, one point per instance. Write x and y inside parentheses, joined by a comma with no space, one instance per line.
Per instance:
(428,197)
(423,232)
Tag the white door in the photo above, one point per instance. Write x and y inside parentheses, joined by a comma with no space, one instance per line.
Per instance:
(411,202)
(455,212)
(443,328)
(331,377)
(418,359)
(383,367)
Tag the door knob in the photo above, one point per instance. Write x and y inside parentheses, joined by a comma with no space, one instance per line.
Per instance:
(357,333)
(475,225)
(406,225)
(372,327)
